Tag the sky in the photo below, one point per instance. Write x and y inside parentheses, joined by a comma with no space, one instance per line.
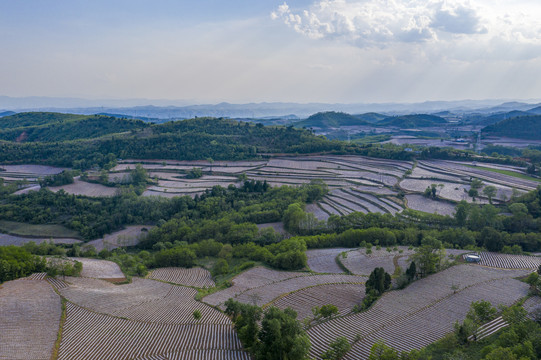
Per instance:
(241,51)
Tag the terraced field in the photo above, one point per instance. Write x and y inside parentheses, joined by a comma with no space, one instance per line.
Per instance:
(265,294)
(197,277)
(142,300)
(507,261)
(100,269)
(343,296)
(360,263)
(324,260)
(89,335)
(421,313)
(251,279)
(29,319)
(130,236)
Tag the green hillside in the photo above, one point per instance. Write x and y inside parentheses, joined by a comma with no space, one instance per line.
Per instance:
(371,117)
(413,121)
(47,127)
(193,139)
(330,119)
(522,127)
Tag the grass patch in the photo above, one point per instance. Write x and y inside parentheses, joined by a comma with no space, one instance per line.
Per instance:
(506,172)
(56,347)
(33,230)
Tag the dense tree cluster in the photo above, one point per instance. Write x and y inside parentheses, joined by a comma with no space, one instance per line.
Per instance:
(16,262)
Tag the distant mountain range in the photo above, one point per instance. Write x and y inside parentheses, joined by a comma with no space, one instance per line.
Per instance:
(180,109)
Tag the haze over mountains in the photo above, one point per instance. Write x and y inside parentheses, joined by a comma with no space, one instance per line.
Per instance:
(180,109)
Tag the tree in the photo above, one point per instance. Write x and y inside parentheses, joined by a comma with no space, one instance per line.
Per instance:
(379,280)
(429,256)
(476,184)
(490,191)
(197,315)
(473,193)
(281,336)
(337,349)
(411,272)
(245,318)
(380,351)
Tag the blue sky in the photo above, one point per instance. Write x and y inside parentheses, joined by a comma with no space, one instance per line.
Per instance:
(209,51)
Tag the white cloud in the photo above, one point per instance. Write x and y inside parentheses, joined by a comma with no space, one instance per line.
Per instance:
(491,24)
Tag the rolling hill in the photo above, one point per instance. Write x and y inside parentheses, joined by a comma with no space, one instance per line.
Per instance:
(413,121)
(48,127)
(521,127)
(330,119)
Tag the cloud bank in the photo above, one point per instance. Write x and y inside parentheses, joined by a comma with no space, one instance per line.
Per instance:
(384,23)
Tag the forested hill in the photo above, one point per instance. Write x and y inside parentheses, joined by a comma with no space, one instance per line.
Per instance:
(330,119)
(193,139)
(413,121)
(48,127)
(522,127)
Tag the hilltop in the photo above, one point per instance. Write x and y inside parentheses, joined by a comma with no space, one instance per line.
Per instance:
(522,127)
(413,121)
(47,127)
(331,119)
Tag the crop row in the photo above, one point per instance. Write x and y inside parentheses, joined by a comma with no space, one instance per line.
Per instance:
(265,294)
(324,260)
(88,335)
(414,326)
(29,319)
(253,278)
(507,261)
(201,355)
(197,277)
(343,296)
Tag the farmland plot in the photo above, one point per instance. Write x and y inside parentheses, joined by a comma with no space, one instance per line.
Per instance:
(343,296)
(29,319)
(201,355)
(80,187)
(422,173)
(101,269)
(349,205)
(374,190)
(508,261)
(318,212)
(358,262)
(324,260)
(502,179)
(130,236)
(532,305)
(142,300)
(88,335)
(422,203)
(265,294)
(253,278)
(450,191)
(197,276)
(396,308)
(19,240)
(432,323)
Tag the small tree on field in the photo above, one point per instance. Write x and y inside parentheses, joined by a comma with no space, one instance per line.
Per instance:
(379,280)
(337,349)
(197,315)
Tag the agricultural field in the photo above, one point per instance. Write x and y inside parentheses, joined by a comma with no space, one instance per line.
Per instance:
(422,203)
(38,231)
(130,236)
(19,240)
(324,260)
(421,313)
(99,269)
(343,296)
(29,173)
(508,261)
(90,335)
(29,319)
(250,279)
(360,263)
(196,277)
(80,187)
